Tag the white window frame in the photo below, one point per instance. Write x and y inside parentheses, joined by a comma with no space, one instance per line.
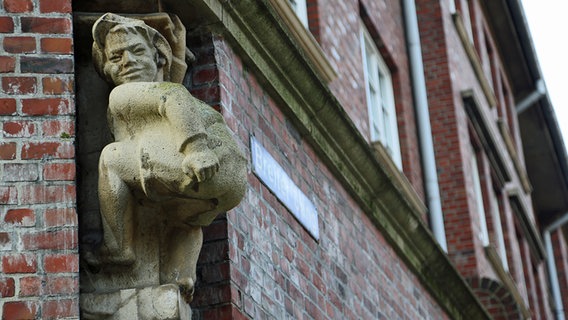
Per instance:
(484,233)
(380,98)
(466,16)
(498,228)
(300,7)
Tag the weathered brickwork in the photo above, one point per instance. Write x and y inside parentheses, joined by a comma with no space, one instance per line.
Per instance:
(447,143)
(449,73)
(258,261)
(38,221)
(337,25)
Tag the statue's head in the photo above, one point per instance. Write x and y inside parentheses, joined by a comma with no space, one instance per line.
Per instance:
(128,50)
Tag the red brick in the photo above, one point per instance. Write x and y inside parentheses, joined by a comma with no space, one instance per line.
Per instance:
(24,217)
(61,263)
(59,171)
(46,25)
(60,308)
(4,239)
(59,6)
(7,151)
(57,45)
(30,286)
(19,263)
(18,6)
(7,287)
(35,194)
(19,129)
(50,240)
(7,64)
(208,94)
(20,44)
(39,150)
(8,195)
(6,25)
(50,106)
(57,86)
(20,172)
(223,313)
(60,217)
(7,106)
(58,285)
(58,128)
(19,85)
(205,76)
(20,310)
(46,65)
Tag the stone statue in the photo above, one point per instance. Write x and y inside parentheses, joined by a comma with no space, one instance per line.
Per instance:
(174,160)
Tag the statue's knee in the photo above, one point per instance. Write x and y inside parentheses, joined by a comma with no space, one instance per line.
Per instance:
(109,154)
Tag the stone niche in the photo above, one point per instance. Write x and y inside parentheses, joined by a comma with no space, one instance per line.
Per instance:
(147,183)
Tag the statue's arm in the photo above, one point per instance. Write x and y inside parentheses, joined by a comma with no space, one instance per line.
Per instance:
(183,112)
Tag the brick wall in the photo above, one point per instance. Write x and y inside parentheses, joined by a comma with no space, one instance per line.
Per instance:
(449,72)
(449,146)
(337,26)
(38,221)
(258,261)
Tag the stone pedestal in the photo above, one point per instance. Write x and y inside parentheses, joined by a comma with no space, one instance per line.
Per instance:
(150,303)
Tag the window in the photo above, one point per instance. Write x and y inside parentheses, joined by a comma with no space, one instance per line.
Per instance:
(380,99)
(484,234)
(498,229)
(301,9)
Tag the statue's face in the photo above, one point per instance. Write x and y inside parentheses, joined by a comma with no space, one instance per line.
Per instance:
(130,58)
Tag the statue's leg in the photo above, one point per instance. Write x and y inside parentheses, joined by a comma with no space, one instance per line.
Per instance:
(178,259)
(116,203)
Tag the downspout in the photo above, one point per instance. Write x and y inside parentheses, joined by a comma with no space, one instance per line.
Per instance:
(423,123)
(533,97)
(551,264)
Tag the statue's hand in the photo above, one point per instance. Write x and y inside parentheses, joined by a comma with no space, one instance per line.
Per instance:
(200,166)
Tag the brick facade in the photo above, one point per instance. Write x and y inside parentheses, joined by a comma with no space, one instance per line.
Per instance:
(450,72)
(258,261)
(39,265)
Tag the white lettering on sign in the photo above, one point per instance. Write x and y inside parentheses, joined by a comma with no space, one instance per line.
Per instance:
(275,178)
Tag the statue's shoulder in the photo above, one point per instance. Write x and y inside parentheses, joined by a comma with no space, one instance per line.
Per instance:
(152,87)
(168,86)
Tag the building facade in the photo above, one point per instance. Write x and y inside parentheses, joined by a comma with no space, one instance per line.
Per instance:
(404,159)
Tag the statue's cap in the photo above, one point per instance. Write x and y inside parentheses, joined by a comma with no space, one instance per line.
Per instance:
(108,21)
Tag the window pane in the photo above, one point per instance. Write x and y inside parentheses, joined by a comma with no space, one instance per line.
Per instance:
(484,234)
(299,6)
(381,108)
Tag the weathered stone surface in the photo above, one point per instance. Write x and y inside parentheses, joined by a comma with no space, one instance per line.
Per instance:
(151,303)
(172,168)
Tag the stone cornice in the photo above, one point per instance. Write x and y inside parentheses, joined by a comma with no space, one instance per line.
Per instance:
(291,80)
(305,39)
